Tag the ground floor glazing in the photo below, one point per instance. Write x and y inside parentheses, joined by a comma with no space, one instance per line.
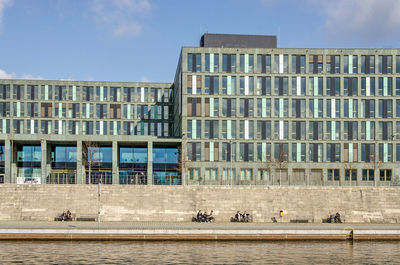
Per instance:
(161,163)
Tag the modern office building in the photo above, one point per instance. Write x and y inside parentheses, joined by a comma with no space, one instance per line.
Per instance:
(240,112)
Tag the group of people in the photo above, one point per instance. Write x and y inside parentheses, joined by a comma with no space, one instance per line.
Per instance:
(334,218)
(204,217)
(66,216)
(241,217)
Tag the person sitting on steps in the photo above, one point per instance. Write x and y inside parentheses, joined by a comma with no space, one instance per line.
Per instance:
(68,216)
(337,218)
(63,216)
(245,217)
(210,217)
(238,216)
(204,216)
(199,216)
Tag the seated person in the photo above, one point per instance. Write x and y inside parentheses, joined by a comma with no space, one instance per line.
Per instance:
(331,218)
(204,217)
(337,218)
(245,216)
(210,217)
(199,215)
(62,216)
(238,216)
(68,215)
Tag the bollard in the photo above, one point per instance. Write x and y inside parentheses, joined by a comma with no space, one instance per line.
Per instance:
(350,235)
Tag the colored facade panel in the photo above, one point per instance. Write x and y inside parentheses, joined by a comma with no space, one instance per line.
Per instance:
(350,64)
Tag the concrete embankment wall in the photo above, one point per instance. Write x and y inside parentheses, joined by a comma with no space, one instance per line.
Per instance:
(165,203)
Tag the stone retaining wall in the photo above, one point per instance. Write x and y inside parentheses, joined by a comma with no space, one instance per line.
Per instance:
(167,203)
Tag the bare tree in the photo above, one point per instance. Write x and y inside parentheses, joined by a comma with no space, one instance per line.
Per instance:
(267,166)
(90,156)
(376,165)
(349,166)
(280,162)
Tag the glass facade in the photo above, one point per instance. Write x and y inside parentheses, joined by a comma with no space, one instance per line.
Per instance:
(259,108)
(285,101)
(28,164)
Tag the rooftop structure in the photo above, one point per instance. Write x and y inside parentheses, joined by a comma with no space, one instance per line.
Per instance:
(237,41)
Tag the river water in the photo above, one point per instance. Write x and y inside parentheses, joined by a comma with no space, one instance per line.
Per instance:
(123,252)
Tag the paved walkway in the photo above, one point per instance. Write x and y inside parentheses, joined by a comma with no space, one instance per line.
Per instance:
(190,226)
(193,231)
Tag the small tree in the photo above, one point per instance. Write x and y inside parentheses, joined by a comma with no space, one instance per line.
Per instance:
(280,162)
(349,166)
(267,165)
(376,165)
(90,156)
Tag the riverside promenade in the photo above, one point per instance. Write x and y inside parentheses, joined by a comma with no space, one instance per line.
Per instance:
(152,231)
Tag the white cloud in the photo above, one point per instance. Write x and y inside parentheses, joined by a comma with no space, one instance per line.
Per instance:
(370,20)
(144,79)
(131,29)
(5,75)
(3,5)
(136,6)
(121,15)
(31,77)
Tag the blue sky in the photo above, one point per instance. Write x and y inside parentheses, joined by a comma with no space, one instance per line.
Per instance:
(140,40)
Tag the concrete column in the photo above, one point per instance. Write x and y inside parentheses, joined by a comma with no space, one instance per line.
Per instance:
(49,160)
(341,58)
(359,175)
(150,163)
(115,174)
(203,63)
(183,157)
(79,171)
(376,65)
(359,93)
(7,161)
(202,152)
(255,175)
(202,176)
(376,170)
(43,151)
(324,177)
(234,173)
(14,173)
(341,147)
(342,181)
(289,167)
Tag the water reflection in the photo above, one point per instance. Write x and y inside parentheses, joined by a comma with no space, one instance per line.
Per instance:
(46,252)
